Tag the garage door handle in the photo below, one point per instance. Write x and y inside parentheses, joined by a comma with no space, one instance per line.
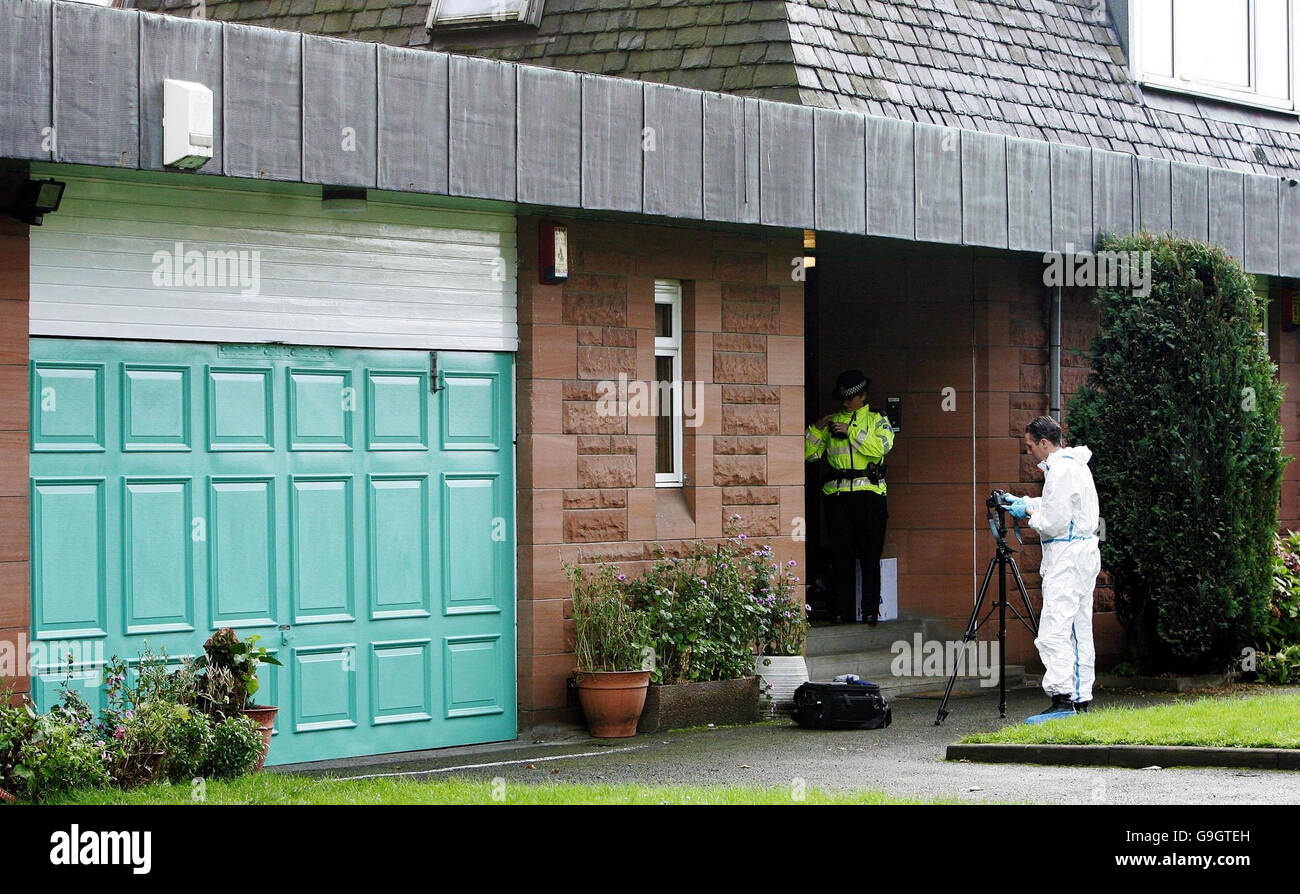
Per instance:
(284,634)
(437,381)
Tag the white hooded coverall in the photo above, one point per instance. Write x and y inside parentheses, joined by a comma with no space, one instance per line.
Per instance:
(1065,517)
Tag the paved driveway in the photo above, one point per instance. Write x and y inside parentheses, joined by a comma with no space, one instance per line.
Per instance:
(906,760)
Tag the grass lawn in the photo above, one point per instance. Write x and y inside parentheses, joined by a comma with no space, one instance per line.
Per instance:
(285,788)
(1252,720)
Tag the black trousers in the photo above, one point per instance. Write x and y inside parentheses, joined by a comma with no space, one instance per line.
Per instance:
(857,532)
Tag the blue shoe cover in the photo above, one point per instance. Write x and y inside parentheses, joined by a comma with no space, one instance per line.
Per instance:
(1050,715)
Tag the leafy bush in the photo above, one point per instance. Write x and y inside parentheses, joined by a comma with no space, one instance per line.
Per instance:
(136,720)
(686,624)
(58,756)
(711,606)
(1284,604)
(235,748)
(146,731)
(17,722)
(1181,412)
(1282,666)
(186,741)
(41,754)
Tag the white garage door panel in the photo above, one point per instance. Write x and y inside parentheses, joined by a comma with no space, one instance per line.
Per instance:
(398,275)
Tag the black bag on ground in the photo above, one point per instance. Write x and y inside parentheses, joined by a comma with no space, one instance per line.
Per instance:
(841,706)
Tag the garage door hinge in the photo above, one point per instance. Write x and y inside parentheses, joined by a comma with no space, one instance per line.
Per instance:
(436,382)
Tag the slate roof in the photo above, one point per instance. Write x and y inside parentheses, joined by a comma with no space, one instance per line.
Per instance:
(1046,69)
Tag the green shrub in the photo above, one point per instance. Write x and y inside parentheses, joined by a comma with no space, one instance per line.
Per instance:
(235,748)
(186,742)
(713,605)
(1282,666)
(1284,604)
(17,722)
(59,756)
(682,611)
(1181,413)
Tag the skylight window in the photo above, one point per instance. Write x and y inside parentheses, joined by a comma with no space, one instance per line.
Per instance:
(1241,50)
(483,13)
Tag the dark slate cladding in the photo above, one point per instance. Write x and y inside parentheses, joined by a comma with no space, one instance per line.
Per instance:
(412,120)
(1051,70)
(96,86)
(487,129)
(26,123)
(339,112)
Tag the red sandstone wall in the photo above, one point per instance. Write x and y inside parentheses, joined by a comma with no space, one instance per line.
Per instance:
(586,483)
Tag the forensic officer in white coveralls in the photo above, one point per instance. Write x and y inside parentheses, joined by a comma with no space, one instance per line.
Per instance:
(1065,517)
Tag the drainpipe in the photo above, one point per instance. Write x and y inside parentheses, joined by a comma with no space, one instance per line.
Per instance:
(1054,362)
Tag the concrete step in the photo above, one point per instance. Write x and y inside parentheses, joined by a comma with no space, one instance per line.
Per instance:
(875,666)
(859,637)
(832,639)
(878,667)
(870,652)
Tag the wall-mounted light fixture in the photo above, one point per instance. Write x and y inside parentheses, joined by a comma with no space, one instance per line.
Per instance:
(343,199)
(809,248)
(35,199)
(553,252)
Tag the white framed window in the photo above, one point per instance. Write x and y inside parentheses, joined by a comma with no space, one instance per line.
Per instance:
(668,383)
(479,13)
(1238,50)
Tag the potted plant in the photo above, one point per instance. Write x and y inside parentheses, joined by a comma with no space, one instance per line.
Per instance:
(226,677)
(131,726)
(609,637)
(783,630)
(704,622)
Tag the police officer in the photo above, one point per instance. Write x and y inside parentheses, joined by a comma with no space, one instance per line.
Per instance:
(851,444)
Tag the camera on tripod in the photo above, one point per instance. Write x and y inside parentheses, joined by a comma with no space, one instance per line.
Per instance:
(998,499)
(1002,562)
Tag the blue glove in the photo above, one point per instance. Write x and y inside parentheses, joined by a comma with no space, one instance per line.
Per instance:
(1019,507)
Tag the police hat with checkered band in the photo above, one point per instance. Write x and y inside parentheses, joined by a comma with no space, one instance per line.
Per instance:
(849,383)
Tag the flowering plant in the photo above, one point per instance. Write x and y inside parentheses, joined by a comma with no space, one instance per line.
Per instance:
(711,603)
(783,625)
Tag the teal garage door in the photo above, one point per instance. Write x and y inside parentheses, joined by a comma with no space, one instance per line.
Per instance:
(353,507)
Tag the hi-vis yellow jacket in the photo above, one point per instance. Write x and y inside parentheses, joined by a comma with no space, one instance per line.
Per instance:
(870,437)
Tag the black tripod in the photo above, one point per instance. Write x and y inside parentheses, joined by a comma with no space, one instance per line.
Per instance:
(1002,560)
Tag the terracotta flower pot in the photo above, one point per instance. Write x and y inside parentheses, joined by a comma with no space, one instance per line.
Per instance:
(5,796)
(612,701)
(264,717)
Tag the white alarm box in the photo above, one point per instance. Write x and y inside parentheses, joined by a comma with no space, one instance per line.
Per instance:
(187,124)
